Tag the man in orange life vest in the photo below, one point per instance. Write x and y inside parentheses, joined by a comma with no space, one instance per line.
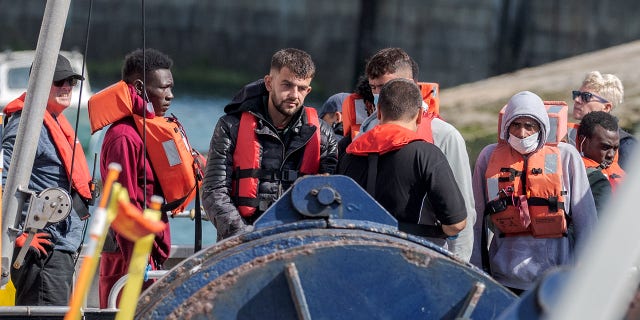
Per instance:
(266,140)
(46,276)
(598,141)
(527,193)
(123,144)
(401,170)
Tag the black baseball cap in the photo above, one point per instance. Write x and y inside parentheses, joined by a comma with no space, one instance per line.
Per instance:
(64,70)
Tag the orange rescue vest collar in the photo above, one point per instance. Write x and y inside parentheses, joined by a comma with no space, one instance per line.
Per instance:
(614,173)
(381,139)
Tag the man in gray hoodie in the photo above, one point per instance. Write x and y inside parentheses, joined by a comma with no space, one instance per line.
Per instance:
(533,203)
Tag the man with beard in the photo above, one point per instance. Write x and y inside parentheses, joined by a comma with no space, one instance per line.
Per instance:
(266,140)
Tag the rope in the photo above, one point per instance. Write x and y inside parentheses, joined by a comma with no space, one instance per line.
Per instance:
(146,99)
(73,154)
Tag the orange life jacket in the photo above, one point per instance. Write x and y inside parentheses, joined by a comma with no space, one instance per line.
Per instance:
(431,96)
(63,138)
(515,183)
(614,173)
(354,109)
(572,132)
(354,112)
(176,164)
(247,160)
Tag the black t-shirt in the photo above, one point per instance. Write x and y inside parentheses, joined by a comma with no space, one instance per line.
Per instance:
(405,176)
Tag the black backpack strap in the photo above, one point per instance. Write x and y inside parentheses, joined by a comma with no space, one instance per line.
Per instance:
(372,174)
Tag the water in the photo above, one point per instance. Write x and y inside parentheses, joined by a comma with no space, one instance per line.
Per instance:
(199,116)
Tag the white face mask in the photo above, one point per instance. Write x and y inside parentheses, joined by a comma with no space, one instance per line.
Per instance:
(376,96)
(526,145)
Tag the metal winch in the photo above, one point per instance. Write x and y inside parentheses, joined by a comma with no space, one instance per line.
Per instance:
(49,206)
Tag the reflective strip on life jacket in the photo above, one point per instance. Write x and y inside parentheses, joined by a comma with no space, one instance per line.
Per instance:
(173,160)
(63,135)
(247,158)
(354,112)
(542,179)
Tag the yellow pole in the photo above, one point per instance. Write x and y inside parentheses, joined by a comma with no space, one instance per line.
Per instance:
(138,265)
(8,293)
(97,234)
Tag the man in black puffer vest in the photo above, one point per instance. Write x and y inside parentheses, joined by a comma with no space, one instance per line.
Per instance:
(266,140)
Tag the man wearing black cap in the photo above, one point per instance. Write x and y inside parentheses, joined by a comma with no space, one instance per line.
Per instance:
(45,277)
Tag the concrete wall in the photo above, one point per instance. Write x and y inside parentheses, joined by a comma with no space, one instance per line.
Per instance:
(454,41)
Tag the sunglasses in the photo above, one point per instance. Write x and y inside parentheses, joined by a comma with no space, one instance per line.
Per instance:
(72,82)
(587,96)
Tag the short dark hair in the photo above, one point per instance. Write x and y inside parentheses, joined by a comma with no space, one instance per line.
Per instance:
(137,62)
(296,60)
(415,70)
(389,60)
(400,99)
(363,89)
(593,119)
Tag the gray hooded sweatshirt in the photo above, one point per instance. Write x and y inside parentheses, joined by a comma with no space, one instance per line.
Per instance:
(518,261)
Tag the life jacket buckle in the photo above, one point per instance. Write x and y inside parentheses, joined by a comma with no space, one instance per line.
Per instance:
(553,204)
(513,173)
(288,175)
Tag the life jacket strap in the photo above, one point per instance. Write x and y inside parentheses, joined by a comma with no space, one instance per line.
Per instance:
(552,202)
(268,175)
(513,173)
(247,202)
(500,204)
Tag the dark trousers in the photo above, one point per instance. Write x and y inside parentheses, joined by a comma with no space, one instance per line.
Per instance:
(44,281)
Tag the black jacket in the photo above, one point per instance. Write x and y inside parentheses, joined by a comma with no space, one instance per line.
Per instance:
(278,153)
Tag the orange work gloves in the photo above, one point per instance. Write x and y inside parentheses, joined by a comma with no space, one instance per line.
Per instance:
(38,242)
